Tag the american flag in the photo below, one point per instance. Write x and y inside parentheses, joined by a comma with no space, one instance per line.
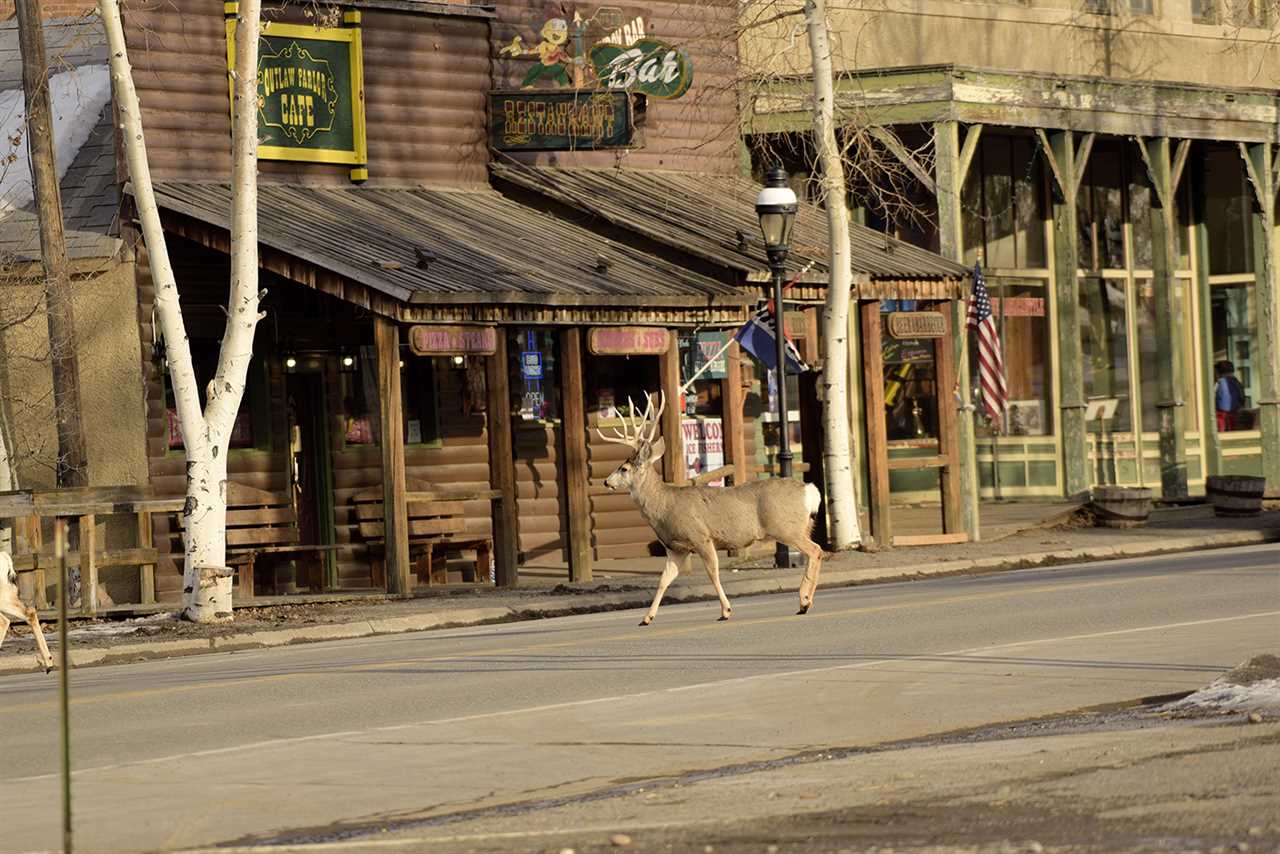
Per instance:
(995,394)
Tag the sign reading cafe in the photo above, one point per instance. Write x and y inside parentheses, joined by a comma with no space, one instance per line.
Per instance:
(310,92)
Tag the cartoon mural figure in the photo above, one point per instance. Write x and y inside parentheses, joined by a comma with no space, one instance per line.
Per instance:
(553,59)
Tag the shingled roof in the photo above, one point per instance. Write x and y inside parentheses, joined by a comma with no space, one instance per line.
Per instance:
(453,246)
(90,194)
(714,218)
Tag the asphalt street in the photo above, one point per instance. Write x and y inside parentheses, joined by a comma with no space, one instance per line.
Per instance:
(338,740)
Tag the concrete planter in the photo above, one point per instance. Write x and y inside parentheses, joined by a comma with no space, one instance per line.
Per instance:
(1235,494)
(1121,506)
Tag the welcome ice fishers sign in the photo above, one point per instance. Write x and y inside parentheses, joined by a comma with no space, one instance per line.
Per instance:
(310,92)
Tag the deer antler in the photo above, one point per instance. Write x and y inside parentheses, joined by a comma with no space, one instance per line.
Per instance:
(629,434)
(638,428)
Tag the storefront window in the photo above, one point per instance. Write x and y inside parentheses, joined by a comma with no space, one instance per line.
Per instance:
(418,393)
(1104,342)
(535,385)
(1234,315)
(1149,370)
(1100,208)
(910,381)
(697,349)
(250,429)
(1022,316)
(1004,205)
(1227,212)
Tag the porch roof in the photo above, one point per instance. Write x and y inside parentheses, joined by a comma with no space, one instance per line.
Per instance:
(443,246)
(714,218)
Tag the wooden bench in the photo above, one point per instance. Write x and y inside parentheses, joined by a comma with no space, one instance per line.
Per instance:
(436,523)
(264,523)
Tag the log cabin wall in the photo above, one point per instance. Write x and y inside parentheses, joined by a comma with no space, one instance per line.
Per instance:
(540,497)
(426,76)
(459,460)
(697,132)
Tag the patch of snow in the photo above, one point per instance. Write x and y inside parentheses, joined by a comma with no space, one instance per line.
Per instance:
(77,99)
(1250,687)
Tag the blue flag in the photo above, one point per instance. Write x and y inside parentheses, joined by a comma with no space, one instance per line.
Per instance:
(756,337)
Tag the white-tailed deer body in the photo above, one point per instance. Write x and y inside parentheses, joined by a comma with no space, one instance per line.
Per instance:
(700,519)
(12,608)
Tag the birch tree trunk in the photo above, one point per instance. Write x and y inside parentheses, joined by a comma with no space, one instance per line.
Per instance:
(206,434)
(842,506)
(8,482)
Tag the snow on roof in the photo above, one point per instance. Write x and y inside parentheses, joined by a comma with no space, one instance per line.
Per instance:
(80,91)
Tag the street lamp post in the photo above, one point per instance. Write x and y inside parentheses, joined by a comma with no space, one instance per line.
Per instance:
(776,207)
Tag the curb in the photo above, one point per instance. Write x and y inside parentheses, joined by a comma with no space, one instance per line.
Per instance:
(598,602)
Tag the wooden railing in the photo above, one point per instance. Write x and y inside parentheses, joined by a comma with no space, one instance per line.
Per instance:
(33,557)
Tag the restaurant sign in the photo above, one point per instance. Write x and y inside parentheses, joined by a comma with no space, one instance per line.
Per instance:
(917,324)
(310,93)
(559,121)
(453,340)
(648,66)
(628,340)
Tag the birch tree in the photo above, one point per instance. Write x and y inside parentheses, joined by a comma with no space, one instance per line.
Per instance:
(842,505)
(206,430)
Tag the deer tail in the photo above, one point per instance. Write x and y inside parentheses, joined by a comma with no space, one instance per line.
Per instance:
(812,498)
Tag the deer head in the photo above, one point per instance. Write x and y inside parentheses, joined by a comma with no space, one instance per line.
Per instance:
(640,433)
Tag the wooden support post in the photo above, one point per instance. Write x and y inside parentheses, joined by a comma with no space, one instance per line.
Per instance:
(1061,155)
(1259,166)
(877,437)
(35,545)
(952,164)
(395,508)
(1171,387)
(1210,442)
(147,571)
(858,433)
(87,526)
(734,424)
(953,502)
(574,436)
(669,370)
(502,467)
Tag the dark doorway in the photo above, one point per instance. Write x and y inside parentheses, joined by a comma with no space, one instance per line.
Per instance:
(310,473)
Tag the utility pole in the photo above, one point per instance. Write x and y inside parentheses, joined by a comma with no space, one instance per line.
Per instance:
(72,469)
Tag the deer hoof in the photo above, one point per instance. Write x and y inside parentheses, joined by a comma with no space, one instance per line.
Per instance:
(723,618)
(646,621)
(804,609)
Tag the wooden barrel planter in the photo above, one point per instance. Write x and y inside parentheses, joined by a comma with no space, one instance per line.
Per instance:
(1235,494)
(1121,506)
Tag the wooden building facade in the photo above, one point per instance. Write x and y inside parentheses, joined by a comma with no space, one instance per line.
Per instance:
(1122,206)
(497,289)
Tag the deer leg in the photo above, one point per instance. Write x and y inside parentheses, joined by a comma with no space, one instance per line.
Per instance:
(712,562)
(45,659)
(669,573)
(4,628)
(809,584)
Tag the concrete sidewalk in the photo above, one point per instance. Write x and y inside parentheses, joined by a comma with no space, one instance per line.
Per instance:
(310,619)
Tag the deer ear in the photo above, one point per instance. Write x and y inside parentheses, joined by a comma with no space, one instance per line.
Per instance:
(656,449)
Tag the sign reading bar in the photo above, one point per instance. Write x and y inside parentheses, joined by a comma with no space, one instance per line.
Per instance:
(653,67)
(628,340)
(917,324)
(559,121)
(453,340)
(310,93)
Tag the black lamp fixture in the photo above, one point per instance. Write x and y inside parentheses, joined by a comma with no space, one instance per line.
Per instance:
(776,206)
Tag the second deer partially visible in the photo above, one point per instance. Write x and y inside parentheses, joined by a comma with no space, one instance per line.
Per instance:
(700,519)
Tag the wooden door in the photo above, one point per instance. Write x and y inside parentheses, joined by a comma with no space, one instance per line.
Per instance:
(909,387)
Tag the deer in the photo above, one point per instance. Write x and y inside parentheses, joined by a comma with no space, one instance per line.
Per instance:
(700,519)
(13,608)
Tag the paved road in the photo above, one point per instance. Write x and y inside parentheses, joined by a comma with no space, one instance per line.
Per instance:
(356,735)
